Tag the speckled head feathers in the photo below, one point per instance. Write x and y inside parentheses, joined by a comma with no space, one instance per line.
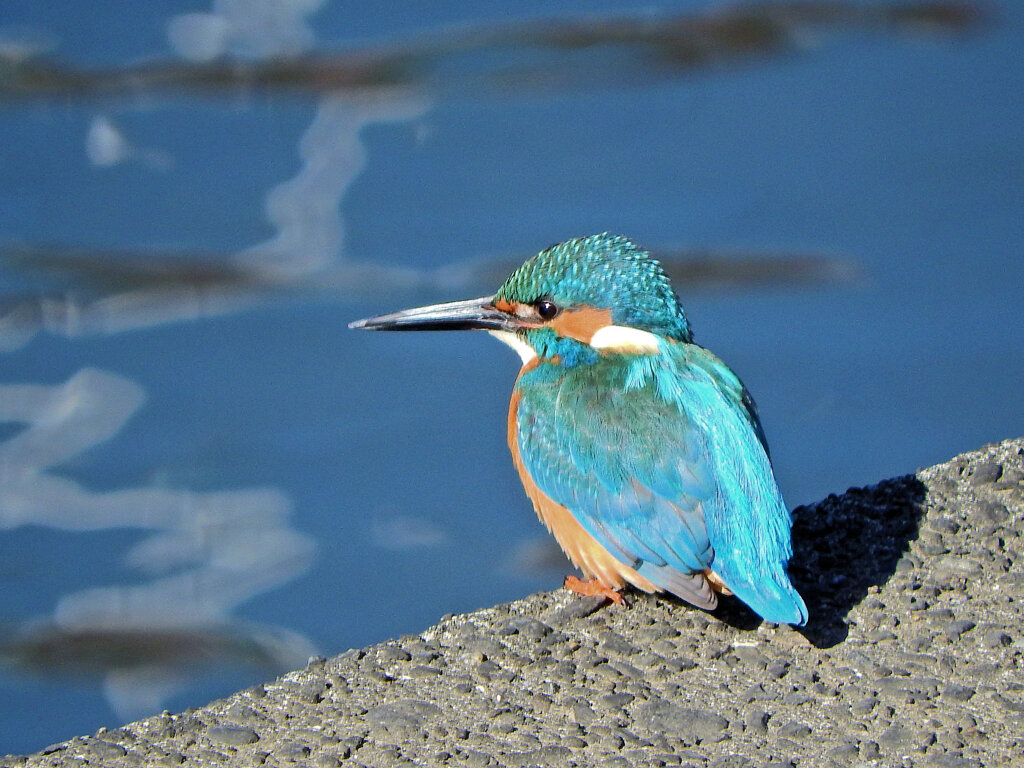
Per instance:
(606,272)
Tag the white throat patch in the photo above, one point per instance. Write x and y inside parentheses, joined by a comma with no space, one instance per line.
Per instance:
(612,338)
(524,350)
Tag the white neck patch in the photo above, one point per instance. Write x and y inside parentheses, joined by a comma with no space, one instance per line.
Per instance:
(622,338)
(524,350)
(612,338)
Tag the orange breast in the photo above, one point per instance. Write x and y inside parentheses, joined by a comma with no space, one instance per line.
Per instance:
(579,546)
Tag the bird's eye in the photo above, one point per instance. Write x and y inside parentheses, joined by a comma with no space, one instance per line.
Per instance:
(547,309)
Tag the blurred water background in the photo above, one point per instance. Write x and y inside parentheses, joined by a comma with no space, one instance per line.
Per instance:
(205,477)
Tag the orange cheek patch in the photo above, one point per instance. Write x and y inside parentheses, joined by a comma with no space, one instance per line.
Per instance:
(503,305)
(581,323)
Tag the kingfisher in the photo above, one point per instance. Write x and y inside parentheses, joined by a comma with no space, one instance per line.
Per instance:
(641,451)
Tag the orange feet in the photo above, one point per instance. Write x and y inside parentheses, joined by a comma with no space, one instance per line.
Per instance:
(592,588)
(716,582)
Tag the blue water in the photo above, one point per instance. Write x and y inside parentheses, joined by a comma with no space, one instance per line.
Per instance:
(244,465)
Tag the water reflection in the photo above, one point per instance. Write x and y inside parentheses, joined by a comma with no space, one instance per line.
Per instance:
(250,28)
(106,145)
(86,292)
(306,209)
(502,58)
(204,553)
(404,532)
(140,668)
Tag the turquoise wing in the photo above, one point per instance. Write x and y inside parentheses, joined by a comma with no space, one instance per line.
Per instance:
(661,459)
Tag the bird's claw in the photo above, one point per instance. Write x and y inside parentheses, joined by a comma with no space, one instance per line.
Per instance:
(592,588)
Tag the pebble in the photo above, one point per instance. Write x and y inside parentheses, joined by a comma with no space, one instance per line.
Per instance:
(423,671)
(666,717)
(794,731)
(106,750)
(616,700)
(843,753)
(996,638)
(916,609)
(575,609)
(869,750)
(391,653)
(232,735)
(957,692)
(956,628)
(756,721)
(986,472)
(864,706)
(897,735)
(993,512)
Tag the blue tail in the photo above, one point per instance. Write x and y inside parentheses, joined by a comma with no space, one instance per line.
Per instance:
(775,601)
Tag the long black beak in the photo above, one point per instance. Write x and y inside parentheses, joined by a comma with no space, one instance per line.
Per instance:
(473,314)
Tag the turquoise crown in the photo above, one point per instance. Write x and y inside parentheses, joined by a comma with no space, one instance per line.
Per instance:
(603,271)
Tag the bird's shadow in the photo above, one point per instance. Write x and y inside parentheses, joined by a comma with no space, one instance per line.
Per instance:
(843,545)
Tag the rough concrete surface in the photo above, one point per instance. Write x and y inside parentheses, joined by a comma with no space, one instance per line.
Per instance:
(914,656)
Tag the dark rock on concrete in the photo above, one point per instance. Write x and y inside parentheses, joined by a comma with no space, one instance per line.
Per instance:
(233,735)
(105,750)
(913,657)
(671,719)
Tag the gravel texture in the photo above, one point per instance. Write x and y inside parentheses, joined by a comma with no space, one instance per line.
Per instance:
(914,656)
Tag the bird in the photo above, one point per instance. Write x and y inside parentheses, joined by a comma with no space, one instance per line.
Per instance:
(641,451)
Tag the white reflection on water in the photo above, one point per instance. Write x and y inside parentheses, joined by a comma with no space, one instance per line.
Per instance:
(256,28)
(107,146)
(207,552)
(306,209)
(112,293)
(405,532)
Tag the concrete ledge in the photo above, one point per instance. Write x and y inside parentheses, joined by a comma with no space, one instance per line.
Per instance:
(914,656)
